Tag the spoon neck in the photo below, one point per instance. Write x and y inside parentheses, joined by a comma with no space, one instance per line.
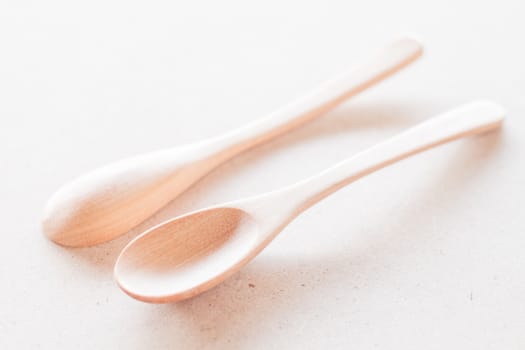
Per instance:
(469,119)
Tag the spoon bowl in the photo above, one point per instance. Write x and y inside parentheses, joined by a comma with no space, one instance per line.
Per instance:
(187,255)
(110,201)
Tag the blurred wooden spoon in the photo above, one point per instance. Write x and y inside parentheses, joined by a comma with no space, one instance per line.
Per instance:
(112,200)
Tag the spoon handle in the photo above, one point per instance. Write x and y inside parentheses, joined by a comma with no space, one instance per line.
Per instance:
(332,93)
(473,118)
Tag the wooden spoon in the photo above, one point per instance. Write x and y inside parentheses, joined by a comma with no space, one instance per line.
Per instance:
(112,200)
(185,256)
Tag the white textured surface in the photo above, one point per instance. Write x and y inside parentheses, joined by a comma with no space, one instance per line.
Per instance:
(425,254)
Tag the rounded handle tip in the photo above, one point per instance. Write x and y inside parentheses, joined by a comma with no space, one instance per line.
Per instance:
(410,44)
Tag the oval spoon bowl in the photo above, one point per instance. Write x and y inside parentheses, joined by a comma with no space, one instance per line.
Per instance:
(187,255)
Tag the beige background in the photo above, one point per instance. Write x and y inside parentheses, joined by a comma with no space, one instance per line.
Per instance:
(425,254)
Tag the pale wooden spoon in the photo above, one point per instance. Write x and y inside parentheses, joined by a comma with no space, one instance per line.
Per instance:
(185,256)
(112,200)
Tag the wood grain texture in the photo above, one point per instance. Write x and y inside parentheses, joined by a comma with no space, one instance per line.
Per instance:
(185,256)
(110,201)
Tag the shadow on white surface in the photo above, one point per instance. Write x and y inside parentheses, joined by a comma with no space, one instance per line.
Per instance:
(262,294)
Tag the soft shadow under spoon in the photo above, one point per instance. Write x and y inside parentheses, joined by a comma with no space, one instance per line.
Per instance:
(185,256)
(112,200)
